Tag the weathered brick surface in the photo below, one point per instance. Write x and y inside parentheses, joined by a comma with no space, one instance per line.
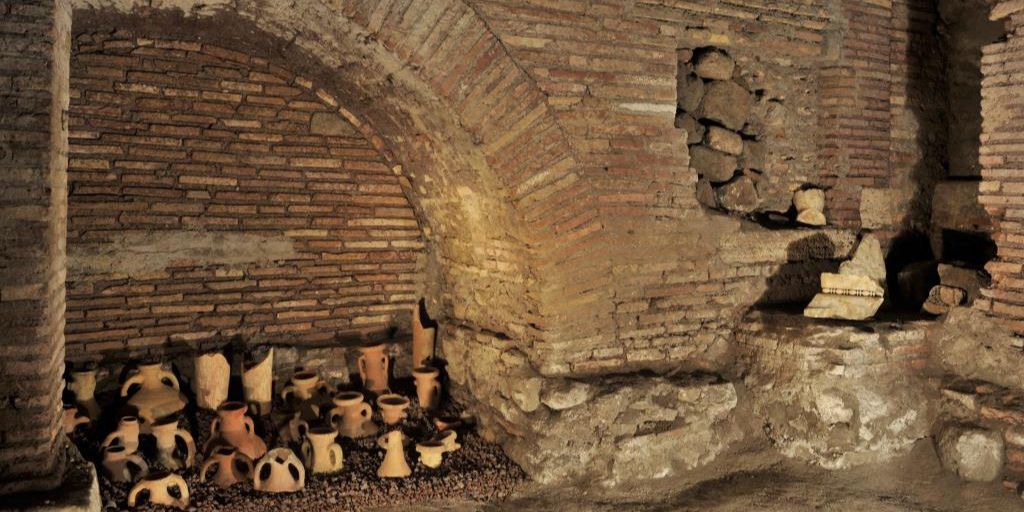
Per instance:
(34,43)
(170,136)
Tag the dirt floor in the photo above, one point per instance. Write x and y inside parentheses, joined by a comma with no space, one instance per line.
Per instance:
(913,483)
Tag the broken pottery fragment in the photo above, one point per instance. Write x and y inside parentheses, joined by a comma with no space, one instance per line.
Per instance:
(810,206)
(856,292)
(943,298)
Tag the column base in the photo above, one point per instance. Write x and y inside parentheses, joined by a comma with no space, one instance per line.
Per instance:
(78,492)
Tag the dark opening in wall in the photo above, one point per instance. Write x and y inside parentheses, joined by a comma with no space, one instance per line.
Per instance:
(972,249)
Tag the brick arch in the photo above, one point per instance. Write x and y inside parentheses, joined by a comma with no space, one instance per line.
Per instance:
(486,162)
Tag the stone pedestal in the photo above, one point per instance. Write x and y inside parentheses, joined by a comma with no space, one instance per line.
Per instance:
(837,394)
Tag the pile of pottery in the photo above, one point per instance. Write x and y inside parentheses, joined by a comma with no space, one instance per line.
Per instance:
(308,414)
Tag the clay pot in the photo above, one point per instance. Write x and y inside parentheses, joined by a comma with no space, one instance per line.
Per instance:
(158,396)
(431,453)
(127,435)
(232,467)
(175,447)
(258,384)
(393,408)
(122,466)
(428,386)
(83,385)
(160,486)
(394,464)
(450,440)
(71,419)
(373,367)
(294,430)
(279,471)
(448,422)
(422,337)
(233,428)
(321,453)
(305,386)
(213,376)
(352,416)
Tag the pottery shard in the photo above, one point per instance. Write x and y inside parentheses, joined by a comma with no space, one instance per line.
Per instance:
(972,453)
(811,199)
(726,103)
(723,140)
(739,195)
(706,194)
(715,65)
(694,130)
(811,218)
(689,92)
(943,298)
(715,166)
(754,155)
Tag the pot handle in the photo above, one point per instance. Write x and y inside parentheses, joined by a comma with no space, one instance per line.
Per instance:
(136,489)
(337,456)
(140,462)
(365,410)
(190,445)
(179,482)
(167,374)
(239,456)
(361,366)
(289,389)
(256,482)
(107,441)
(387,368)
(136,378)
(207,464)
(250,426)
(307,454)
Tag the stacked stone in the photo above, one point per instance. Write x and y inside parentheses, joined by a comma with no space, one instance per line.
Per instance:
(714,106)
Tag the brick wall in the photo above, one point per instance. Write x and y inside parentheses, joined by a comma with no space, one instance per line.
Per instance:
(1002,176)
(176,142)
(34,40)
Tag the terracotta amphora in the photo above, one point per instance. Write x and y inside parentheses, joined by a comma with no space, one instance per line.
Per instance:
(279,471)
(161,487)
(431,453)
(159,394)
(213,377)
(127,435)
(373,367)
(428,386)
(232,427)
(352,416)
(295,429)
(232,467)
(83,385)
(175,447)
(393,408)
(121,466)
(71,419)
(321,453)
(304,386)
(422,337)
(258,383)
(394,464)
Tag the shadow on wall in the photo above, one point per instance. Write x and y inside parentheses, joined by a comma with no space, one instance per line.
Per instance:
(796,282)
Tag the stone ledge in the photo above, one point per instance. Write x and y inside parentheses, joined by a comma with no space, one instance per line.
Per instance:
(79,491)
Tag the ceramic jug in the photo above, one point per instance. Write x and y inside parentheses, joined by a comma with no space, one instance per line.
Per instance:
(450,440)
(122,466)
(393,408)
(304,386)
(127,435)
(428,386)
(160,487)
(159,394)
(258,383)
(295,429)
(83,385)
(232,467)
(373,366)
(71,419)
(321,453)
(279,471)
(175,447)
(423,336)
(233,428)
(394,464)
(213,376)
(431,453)
(352,416)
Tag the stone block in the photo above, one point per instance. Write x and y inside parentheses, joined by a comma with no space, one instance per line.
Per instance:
(694,130)
(973,453)
(739,195)
(689,91)
(726,103)
(715,65)
(723,140)
(715,166)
